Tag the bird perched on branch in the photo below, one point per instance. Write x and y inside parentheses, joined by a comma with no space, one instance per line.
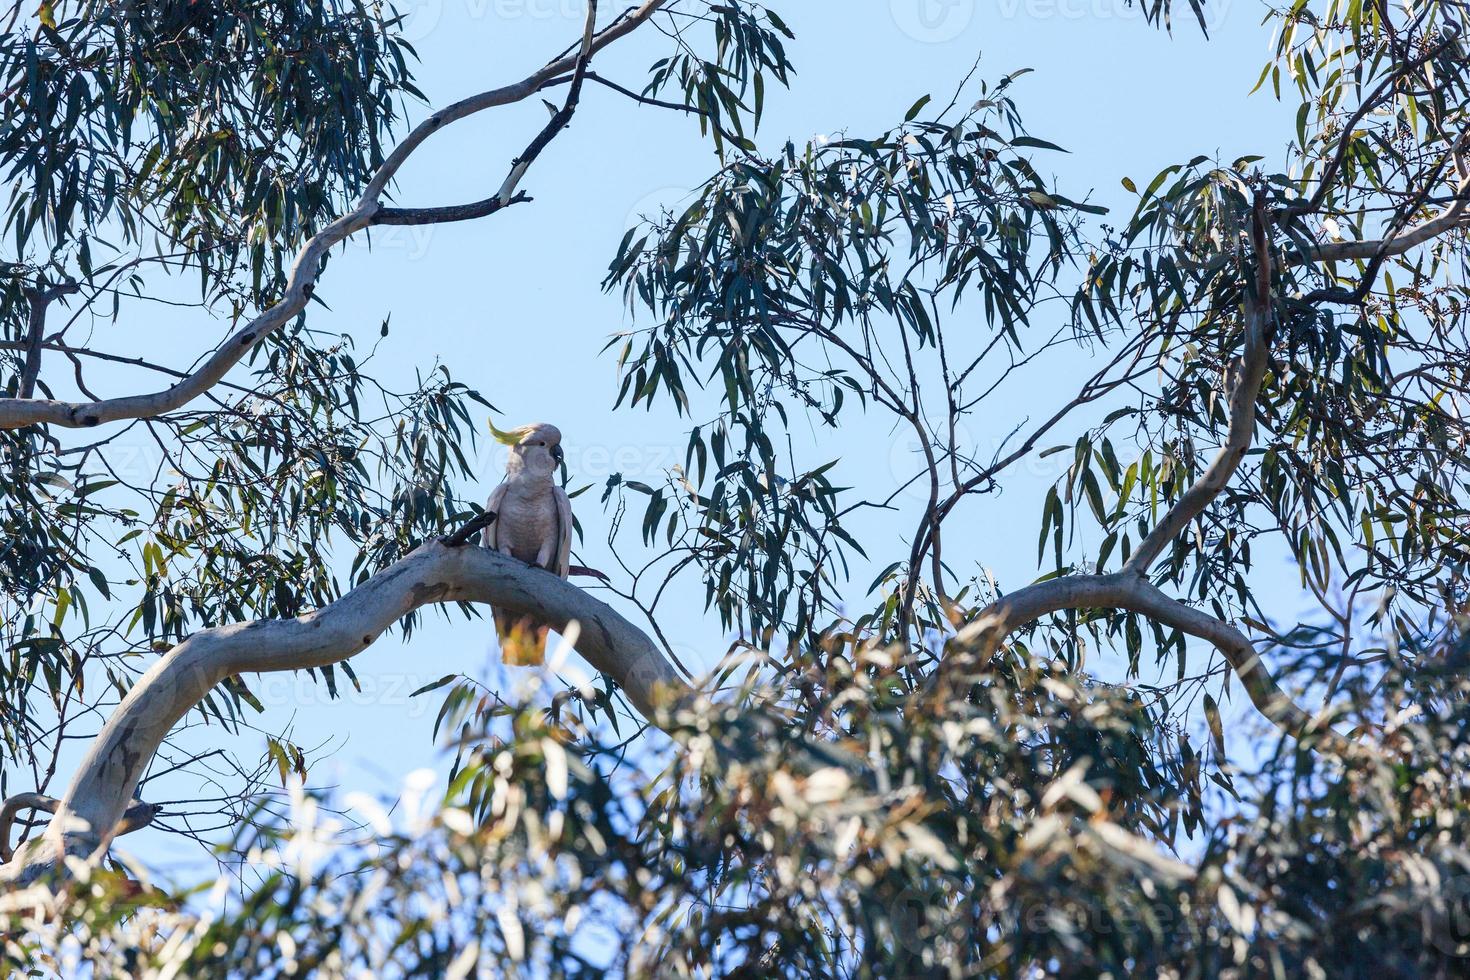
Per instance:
(533,524)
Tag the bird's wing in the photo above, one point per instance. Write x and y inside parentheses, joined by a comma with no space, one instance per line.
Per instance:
(490,538)
(563,530)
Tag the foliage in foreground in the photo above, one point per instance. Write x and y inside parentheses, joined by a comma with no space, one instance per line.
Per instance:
(874,818)
(1010,833)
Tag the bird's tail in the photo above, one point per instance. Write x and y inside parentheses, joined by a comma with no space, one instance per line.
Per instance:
(522,640)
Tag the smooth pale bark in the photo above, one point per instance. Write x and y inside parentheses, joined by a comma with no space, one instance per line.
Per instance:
(102,789)
(1451,218)
(96,805)
(137,816)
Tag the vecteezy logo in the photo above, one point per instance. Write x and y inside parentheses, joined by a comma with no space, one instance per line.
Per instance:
(932,21)
(908,465)
(653,207)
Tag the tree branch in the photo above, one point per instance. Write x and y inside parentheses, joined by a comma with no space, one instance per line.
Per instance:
(1448,220)
(1130,589)
(1385,89)
(97,800)
(16,413)
(518,92)
(36,333)
(1249,374)
(137,816)
(447,214)
(559,119)
(467,533)
(1132,592)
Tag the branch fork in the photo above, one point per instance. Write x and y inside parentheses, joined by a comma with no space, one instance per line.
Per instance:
(1130,589)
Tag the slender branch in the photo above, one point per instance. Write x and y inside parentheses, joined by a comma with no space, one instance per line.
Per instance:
(467,533)
(1385,88)
(1094,388)
(1375,264)
(560,119)
(16,413)
(447,214)
(35,335)
(706,115)
(518,92)
(1249,373)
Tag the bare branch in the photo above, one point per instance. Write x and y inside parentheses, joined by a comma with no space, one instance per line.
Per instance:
(35,335)
(518,92)
(447,214)
(16,413)
(560,119)
(467,533)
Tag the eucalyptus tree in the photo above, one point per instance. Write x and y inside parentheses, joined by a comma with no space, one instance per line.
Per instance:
(914,777)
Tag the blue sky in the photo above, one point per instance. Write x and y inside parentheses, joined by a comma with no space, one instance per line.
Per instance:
(514,305)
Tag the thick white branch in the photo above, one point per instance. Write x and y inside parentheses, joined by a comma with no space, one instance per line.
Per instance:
(137,816)
(1450,219)
(101,790)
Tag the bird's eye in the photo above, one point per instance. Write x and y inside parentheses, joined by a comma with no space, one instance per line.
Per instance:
(540,443)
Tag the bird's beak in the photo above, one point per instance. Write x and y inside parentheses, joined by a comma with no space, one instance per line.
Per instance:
(557,454)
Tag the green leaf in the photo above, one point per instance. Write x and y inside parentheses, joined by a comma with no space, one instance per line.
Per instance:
(446,679)
(1217,730)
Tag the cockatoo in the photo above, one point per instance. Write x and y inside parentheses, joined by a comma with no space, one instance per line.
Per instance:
(533,524)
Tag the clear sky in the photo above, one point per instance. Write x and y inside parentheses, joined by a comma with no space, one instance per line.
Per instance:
(514,303)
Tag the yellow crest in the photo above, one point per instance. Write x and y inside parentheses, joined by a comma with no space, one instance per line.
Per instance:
(511,438)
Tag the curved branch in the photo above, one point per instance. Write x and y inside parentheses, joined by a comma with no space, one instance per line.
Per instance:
(1130,589)
(19,412)
(1249,375)
(98,797)
(1387,88)
(520,91)
(1132,592)
(137,816)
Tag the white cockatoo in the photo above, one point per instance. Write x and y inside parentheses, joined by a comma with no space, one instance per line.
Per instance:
(533,524)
